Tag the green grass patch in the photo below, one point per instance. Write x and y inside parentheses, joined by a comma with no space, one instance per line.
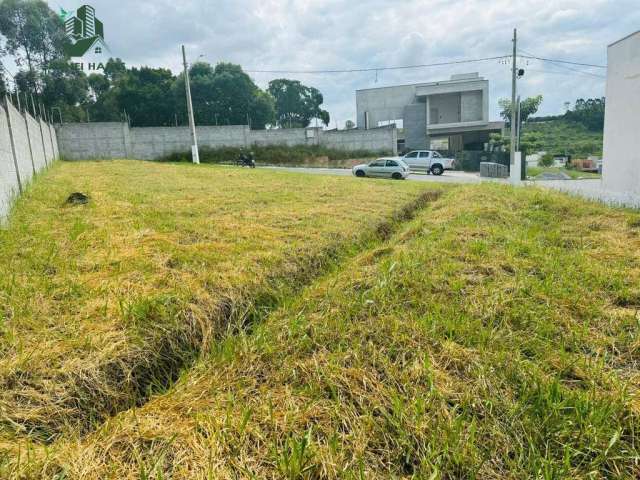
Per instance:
(574,174)
(104,303)
(493,336)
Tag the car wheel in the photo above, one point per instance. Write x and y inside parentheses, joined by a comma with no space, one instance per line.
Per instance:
(396,176)
(437,170)
(359,173)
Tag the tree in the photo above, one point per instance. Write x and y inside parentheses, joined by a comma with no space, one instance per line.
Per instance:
(589,113)
(114,69)
(224,95)
(67,88)
(145,94)
(99,85)
(349,125)
(34,33)
(296,104)
(528,107)
(4,88)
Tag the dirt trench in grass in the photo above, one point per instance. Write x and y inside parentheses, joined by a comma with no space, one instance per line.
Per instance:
(171,335)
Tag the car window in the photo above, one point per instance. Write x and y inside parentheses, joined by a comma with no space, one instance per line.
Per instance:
(412,155)
(391,163)
(424,154)
(377,163)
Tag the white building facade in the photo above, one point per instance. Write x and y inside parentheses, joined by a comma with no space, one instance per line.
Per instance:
(621,164)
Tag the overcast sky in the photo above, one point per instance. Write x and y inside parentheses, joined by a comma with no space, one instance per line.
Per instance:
(343,34)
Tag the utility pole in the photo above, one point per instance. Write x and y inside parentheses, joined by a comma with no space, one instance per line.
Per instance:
(513,98)
(192,123)
(518,124)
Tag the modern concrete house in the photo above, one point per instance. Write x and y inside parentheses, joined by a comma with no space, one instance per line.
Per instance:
(455,110)
(621,163)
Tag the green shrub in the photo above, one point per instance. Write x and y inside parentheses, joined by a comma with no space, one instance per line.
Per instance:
(546,160)
(274,154)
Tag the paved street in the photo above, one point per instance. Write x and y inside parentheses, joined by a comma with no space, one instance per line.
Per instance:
(448,177)
(590,189)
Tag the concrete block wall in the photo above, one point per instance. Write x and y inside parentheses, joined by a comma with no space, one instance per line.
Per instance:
(54,141)
(23,152)
(21,142)
(286,136)
(37,147)
(376,140)
(103,140)
(82,141)
(8,176)
(46,142)
(223,136)
(156,142)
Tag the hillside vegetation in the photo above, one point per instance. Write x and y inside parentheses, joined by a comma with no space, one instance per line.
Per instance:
(559,137)
(104,304)
(492,336)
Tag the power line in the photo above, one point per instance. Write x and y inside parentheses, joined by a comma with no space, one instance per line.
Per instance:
(575,70)
(551,60)
(565,73)
(379,69)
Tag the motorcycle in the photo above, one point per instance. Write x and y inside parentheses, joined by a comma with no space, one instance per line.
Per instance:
(246,161)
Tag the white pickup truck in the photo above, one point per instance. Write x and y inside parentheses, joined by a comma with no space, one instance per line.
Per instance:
(428,161)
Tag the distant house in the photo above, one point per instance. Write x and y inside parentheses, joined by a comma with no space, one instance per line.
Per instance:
(453,114)
(621,162)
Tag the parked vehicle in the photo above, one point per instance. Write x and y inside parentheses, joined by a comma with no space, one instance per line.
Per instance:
(383,167)
(428,161)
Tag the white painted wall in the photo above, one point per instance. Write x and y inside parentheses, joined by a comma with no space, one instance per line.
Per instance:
(621,165)
(29,158)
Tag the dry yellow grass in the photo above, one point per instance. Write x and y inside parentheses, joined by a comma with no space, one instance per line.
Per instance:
(104,303)
(494,336)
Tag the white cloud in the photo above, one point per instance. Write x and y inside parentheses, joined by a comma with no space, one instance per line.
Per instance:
(329,34)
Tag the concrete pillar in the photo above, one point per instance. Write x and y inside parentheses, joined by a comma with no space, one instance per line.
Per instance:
(515,175)
(53,150)
(26,124)
(44,151)
(13,144)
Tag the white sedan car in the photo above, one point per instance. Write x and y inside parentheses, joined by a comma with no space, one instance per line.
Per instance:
(383,167)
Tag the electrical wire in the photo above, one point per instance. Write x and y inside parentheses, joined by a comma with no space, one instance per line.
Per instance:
(565,73)
(380,69)
(551,60)
(565,67)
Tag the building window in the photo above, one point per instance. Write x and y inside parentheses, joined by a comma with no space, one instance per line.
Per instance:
(98,49)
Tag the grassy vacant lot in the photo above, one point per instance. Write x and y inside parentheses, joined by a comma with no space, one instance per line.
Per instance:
(574,174)
(492,336)
(102,304)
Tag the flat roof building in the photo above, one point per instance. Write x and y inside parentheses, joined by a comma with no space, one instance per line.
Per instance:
(455,110)
(621,162)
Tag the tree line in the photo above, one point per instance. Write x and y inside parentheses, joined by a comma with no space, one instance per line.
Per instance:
(586,112)
(33,36)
